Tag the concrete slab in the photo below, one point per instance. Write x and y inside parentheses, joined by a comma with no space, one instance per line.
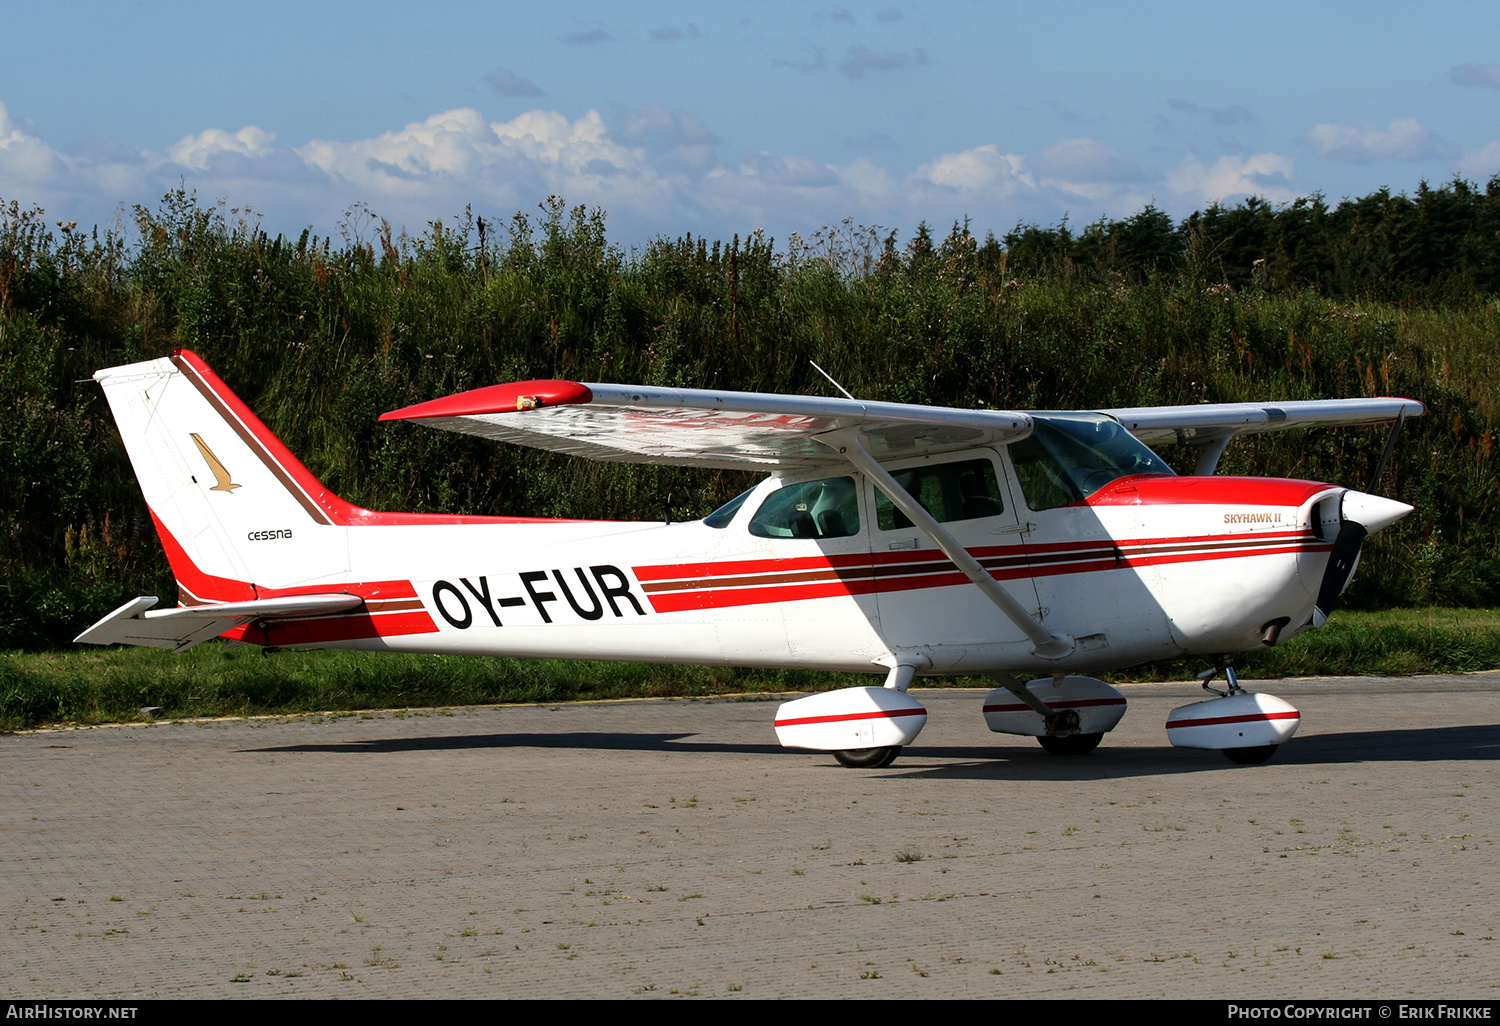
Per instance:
(670,847)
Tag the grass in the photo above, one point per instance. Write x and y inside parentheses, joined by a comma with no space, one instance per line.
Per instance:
(1395,642)
(113,685)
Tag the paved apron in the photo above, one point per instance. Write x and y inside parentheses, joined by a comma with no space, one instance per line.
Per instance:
(670,847)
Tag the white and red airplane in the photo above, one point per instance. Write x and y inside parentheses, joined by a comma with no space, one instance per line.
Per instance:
(888,538)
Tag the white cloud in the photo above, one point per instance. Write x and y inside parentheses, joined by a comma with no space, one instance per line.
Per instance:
(24,158)
(981,169)
(673,140)
(458,157)
(1232,176)
(1481,164)
(655,171)
(197,151)
(1085,168)
(1402,139)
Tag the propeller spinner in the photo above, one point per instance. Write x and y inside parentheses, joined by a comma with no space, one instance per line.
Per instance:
(1360,515)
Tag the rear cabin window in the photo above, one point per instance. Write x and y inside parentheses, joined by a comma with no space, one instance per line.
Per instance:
(724,514)
(813,509)
(965,490)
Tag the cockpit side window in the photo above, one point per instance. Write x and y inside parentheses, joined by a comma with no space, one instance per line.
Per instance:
(812,509)
(1073,455)
(963,490)
(1044,481)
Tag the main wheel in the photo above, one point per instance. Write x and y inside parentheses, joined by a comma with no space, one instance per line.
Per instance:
(1070,744)
(868,758)
(1249,756)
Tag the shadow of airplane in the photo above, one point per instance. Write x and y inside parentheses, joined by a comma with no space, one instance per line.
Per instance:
(589,740)
(1006,760)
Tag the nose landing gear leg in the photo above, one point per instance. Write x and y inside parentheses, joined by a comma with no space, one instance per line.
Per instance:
(1246,727)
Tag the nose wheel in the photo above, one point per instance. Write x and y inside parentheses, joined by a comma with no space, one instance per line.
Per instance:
(1070,744)
(867,758)
(1249,756)
(1254,755)
(1246,727)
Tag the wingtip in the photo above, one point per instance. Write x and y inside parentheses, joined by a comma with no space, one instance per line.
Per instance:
(508,398)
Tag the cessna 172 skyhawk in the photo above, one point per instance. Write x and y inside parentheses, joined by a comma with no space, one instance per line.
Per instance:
(888,538)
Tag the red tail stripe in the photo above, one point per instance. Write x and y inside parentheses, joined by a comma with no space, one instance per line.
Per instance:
(321,504)
(204,587)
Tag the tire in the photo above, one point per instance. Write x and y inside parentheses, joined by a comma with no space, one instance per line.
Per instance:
(1071,744)
(1249,756)
(868,758)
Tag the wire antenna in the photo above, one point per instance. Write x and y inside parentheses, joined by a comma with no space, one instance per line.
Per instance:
(835,384)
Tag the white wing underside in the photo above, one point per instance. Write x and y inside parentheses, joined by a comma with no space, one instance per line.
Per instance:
(731,430)
(749,430)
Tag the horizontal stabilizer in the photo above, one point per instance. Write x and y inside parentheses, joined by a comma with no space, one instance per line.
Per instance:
(136,623)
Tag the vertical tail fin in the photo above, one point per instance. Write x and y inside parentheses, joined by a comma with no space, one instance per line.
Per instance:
(234,508)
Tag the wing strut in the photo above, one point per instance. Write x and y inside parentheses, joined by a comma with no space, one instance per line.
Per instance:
(850,444)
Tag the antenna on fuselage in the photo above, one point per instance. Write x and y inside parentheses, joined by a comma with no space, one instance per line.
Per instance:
(835,384)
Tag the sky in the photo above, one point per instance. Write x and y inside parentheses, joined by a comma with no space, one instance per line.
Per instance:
(724,118)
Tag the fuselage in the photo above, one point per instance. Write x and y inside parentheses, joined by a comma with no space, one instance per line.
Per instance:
(1104,557)
(1148,567)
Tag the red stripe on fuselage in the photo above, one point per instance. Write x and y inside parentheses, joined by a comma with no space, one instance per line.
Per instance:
(677,588)
(392,607)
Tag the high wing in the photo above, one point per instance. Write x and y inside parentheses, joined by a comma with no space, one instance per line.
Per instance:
(1192,424)
(701,427)
(745,430)
(1211,426)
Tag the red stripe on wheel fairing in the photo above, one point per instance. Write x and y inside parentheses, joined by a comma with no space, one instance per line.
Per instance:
(878,714)
(1213,721)
(1081,704)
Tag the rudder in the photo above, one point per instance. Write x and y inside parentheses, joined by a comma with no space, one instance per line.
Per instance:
(234,509)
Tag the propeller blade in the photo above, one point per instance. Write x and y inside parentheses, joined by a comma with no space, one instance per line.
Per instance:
(1341,563)
(1362,515)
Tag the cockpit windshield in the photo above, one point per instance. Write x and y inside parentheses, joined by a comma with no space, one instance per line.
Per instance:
(1072,455)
